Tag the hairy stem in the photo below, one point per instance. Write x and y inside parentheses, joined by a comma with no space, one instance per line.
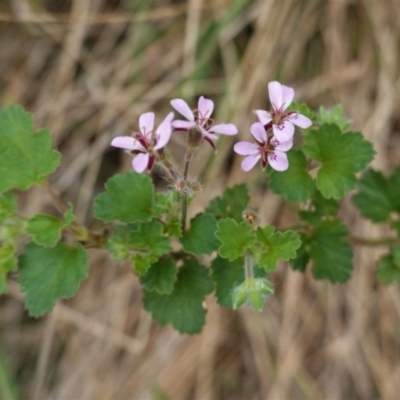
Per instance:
(56,200)
(188,158)
(248,265)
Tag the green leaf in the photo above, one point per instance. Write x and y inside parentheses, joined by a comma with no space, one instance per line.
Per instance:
(331,254)
(275,246)
(46,229)
(48,274)
(161,276)
(26,156)
(129,198)
(149,237)
(142,262)
(8,263)
(183,306)
(235,238)
(302,257)
(388,270)
(167,206)
(8,205)
(333,116)
(226,275)
(118,243)
(319,208)
(231,204)
(341,155)
(295,184)
(303,109)
(200,238)
(172,226)
(378,196)
(165,201)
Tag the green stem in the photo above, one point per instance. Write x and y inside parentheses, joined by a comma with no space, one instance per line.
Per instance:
(248,265)
(188,158)
(56,200)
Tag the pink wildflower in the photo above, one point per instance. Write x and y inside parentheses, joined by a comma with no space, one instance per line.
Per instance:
(201,118)
(268,149)
(281,122)
(147,144)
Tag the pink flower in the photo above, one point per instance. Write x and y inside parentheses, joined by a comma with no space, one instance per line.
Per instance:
(282,122)
(201,118)
(146,144)
(268,149)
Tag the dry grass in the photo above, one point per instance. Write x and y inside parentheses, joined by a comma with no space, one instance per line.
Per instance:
(87,69)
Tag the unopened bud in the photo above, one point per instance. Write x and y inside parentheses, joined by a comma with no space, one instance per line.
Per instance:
(250,216)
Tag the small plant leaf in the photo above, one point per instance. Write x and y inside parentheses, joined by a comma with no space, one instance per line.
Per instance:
(128,198)
(26,156)
(49,274)
(295,184)
(341,155)
(161,276)
(183,306)
(235,238)
(200,238)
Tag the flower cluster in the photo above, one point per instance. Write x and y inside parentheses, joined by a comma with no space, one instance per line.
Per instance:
(272,135)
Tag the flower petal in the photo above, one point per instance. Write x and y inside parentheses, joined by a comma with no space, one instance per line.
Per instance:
(179,124)
(275,94)
(207,134)
(169,118)
(182,108)
(206,107)
(278,160)
(249,162)
(140,162)
(163,134)
(263,116)
(258,132)
(287,96)
(146,123)
(282,146)
(224,129)
(246,148)
(124,142)
(284,131)
(300,120)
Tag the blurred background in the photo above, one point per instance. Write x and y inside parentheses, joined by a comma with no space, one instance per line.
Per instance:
(87,69)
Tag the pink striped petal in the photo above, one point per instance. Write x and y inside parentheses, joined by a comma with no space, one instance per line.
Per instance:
(300,120)
(275,94)
(284,131)
(146,123)
(282,146)
(249,162)
(263,116)
(224,129)
(246,148)
(287,96)
(278,160)
(163,134)
(206,107)
(182,108)
(140,162)
(124,142)
(258,132)
(205,133)
(179,124)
